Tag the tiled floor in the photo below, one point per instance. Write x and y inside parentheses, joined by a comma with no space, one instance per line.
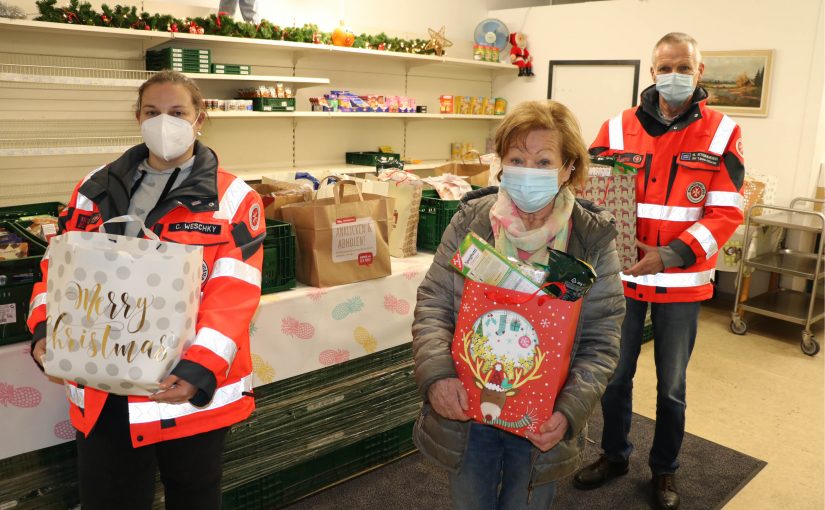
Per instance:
(758,394)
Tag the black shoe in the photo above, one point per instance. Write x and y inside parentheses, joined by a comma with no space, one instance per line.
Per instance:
(664,492)
(594,475)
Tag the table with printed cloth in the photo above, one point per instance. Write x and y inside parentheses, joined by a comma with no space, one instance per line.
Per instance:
(292,333)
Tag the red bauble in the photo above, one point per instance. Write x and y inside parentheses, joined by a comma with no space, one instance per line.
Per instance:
(173,27)
(147,27)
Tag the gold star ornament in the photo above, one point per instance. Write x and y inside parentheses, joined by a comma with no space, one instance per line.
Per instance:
(437,41)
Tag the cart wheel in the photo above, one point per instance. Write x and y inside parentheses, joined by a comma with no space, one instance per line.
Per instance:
(738,326)
(809,345)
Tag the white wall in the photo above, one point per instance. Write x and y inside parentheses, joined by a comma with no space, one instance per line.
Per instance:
(788,143)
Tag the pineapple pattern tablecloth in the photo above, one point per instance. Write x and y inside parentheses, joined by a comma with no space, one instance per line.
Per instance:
(293,332)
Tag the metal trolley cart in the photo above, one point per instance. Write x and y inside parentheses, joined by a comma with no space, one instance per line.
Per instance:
(804,308)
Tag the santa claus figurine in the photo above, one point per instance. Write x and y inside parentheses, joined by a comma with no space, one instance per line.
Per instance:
(519,55)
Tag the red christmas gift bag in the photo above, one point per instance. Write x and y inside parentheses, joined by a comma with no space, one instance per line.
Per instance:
(512,353)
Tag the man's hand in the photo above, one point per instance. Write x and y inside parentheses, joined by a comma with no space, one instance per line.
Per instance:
(651,262)
(449,398)
(550,432)
(174,390)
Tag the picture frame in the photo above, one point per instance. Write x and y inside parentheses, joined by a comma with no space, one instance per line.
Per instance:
(594,90)
(738,81)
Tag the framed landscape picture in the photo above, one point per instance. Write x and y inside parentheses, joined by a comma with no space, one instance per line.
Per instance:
(738,82)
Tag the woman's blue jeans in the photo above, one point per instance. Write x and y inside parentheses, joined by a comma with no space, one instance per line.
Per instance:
(674,333)
(495,474)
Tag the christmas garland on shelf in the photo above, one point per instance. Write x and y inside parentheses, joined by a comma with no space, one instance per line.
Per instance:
(78,12)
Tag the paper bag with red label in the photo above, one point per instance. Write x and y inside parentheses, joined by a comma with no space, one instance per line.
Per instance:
(512,353)
(343,239)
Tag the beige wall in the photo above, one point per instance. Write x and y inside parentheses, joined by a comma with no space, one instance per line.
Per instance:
(788,143)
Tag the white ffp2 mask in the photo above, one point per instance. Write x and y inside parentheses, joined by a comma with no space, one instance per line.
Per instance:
(166,136)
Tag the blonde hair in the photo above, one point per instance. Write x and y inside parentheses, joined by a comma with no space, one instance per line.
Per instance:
(536,115)
(167,76)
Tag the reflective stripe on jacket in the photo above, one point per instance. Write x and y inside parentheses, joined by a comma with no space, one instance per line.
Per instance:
(688,190)
(222,213)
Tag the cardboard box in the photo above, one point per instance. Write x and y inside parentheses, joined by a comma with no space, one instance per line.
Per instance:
(276,194)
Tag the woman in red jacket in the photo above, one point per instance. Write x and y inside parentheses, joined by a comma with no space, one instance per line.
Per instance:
(173,184)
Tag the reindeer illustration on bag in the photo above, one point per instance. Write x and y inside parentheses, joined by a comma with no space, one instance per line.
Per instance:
(503,354)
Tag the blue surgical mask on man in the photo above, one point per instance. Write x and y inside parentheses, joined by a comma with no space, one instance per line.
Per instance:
(531,189)
(675,88)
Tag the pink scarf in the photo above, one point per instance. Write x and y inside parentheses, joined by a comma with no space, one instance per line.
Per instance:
(512,239)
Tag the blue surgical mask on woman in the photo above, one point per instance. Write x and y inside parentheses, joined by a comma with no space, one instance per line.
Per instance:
(675,88)
(531,189)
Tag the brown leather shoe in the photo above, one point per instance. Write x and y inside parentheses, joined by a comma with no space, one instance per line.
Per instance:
(664,492)
(597,473)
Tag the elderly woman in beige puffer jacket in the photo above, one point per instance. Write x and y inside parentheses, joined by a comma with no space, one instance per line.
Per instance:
(490,468)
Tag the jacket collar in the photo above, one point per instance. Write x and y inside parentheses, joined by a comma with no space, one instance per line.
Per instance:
(649,118)
(110,187)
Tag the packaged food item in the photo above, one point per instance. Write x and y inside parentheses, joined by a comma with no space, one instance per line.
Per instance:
(464,106)
(446,104)
(488,106)
(500,106)
(279,89)
(475,106)
(455,151)
(43,226)
(477,260)
(478,52)
(457,103)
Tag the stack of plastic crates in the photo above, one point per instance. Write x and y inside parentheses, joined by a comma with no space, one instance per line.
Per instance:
(313,430)
(278,271)
(184,60)
(434,214)
(17,277)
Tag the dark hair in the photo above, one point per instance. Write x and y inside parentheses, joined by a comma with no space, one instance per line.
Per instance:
(167,76)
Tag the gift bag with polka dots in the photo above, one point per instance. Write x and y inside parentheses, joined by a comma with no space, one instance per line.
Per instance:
(120,310)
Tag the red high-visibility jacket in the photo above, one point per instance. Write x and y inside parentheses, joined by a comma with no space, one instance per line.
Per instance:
(222,213)
(688,190)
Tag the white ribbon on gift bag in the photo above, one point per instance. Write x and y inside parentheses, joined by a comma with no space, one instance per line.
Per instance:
(120,310)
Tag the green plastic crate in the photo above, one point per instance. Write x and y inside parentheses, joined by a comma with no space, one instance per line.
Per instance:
(371,158)
(278,270)
(273,104)
(231,69)
(296,482)
(13,212)
(434,214)
(17,278)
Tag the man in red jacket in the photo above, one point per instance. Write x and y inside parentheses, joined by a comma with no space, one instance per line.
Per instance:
(690,173)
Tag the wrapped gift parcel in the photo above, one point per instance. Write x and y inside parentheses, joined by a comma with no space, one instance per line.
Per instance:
(120,310)
(512,353)
(612,184)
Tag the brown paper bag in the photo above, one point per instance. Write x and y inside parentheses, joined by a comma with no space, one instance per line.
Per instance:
(343,239)
(276,194)
(476,173)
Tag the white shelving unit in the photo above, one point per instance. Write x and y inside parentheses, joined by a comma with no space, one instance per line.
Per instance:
(77,80)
